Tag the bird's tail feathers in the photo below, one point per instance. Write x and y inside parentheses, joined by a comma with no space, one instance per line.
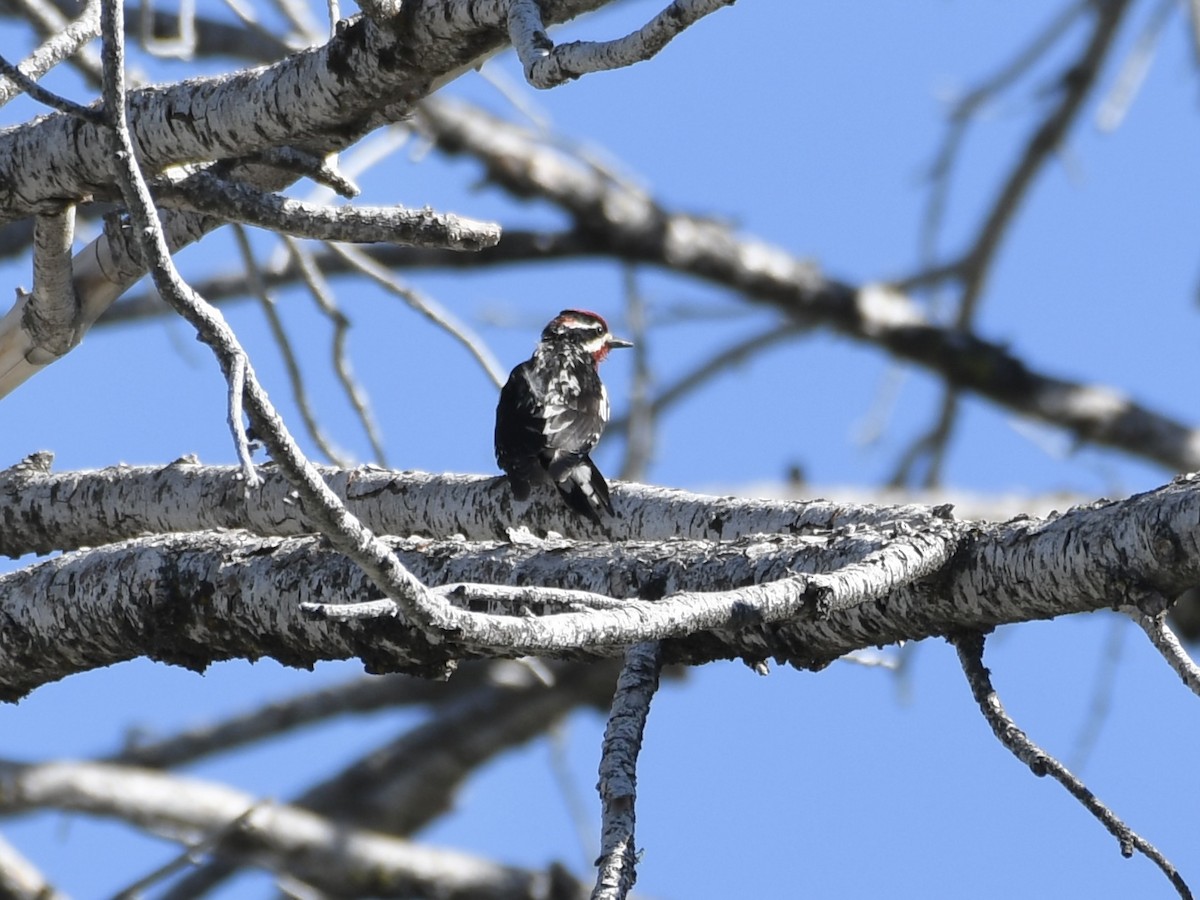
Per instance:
(584,489)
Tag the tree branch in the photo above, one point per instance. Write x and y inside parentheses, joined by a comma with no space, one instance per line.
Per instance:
(51,313)
(970,656)
(195,599)
(21,880)
(123,502)
(1166,643)
(547,65)
(234,202)
(330,857)
(636,687)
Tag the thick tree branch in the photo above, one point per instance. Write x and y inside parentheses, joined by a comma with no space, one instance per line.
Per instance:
(195,599)
(44,512)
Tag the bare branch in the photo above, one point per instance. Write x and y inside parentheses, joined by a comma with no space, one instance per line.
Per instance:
(431,310)
(322,293)
(361,695)
(1166,643)
(49,21)
(51,313)
(975,266)
(122,502)
(62,44)
(291,365)
(970,656)
(636,687)
(236,378)
(307,846)
(1133,72)
(1077,81)
(21,880)
(205,193)
(548,66)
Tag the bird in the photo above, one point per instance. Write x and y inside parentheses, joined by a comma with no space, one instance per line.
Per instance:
(552,411)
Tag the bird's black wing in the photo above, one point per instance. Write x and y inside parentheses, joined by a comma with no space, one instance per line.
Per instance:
(520,427)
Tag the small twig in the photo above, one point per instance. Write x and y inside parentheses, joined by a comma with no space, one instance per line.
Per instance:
(1129,81)
(962,116)
(1102,693)
(528,595)
(636,687)
(499,599)
(266,302)
(189,857)
(427,307)
(1077,81)
(322,293)
(44,96)
(932,444)
(63,43)
(547,66)
(970,656)
(975,265)
(237,427)
(1165,641)
(47,19)
(322,170)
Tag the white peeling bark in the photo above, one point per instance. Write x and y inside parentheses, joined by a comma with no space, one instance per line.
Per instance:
(44,511)
(193,599)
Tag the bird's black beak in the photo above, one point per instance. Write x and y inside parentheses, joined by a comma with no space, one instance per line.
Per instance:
(618,342)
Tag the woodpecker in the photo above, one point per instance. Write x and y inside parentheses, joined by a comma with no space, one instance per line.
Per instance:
(553,410)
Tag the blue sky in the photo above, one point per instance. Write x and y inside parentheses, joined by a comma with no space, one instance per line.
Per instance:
(810,125)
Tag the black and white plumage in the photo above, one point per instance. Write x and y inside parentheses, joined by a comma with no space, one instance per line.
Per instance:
(553,410)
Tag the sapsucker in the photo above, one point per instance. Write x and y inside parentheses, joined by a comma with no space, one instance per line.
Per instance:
(553,410)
